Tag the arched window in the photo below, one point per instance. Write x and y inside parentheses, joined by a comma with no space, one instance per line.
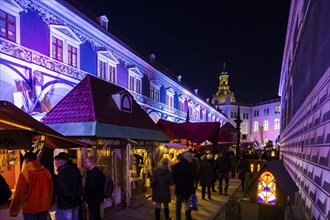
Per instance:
(266,123)
(266,189)
(255,126)
(277,124)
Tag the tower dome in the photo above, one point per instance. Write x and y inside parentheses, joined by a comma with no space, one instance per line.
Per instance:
(223,95)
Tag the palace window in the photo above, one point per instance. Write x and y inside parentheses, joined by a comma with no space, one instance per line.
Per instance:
(245,116)
(181,101)
(107,64)
(244,127)
(256,113)
(169,97)
(10,21)
(204,114)
(266,111)
(277,109)
(154,90)
(277,124)
(255,126)
(7,26)
(134,79)
(64,45)
(266,124)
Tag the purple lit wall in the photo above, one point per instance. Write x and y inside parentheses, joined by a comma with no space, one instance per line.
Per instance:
(88,58)
(36,33)
(122,75)
(304,87)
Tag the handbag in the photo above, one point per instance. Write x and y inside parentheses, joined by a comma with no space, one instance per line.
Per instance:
(193,202)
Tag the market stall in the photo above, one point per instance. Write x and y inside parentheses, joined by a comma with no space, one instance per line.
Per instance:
(20,132)
(123,137)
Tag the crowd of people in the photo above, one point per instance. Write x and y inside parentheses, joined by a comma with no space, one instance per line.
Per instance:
(191,171)
(38,191)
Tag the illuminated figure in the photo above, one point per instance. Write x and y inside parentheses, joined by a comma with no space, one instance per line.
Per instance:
(267,189)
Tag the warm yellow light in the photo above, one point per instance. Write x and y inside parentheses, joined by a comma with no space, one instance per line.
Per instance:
(273,154)
(161,147)
(251,167)
(258,167)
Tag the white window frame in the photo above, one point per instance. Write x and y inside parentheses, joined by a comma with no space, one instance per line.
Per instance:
(170,97)
(13,9)
(72,40)
(110,62)
(204,114)
(266,125)
(277,124)
(244,127)
(181,100)
(255,126)
(135,80)
(198,111)
(154,90)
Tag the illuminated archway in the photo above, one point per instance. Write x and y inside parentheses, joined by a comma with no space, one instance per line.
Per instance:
(266,188)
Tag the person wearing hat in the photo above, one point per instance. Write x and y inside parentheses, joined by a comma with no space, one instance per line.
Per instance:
(34,190)
(161,181)
(68,188)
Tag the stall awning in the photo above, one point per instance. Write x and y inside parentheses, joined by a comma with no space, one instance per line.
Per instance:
(14,119)
(197,132)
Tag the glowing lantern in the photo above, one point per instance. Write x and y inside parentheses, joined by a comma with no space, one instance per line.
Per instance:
(266,189)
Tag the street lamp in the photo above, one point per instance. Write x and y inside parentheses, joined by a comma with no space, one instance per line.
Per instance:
(238,128)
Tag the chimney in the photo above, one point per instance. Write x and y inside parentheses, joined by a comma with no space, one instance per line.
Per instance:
(152,57)
(179,77)
(103,21)
(196,91)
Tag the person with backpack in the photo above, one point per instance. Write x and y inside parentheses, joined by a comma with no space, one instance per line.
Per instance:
(94,188)
(68,188)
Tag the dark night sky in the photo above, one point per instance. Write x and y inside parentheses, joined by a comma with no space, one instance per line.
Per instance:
(194,38)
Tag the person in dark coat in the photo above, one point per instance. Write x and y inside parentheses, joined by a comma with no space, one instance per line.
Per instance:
(223,166)
(243,168)
(94,185)
(184,184)
(68,188)
(210,159)
(161,180)
(206,176)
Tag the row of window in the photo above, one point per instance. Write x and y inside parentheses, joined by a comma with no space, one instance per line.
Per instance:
(277,110)
(266,125)
(65,47)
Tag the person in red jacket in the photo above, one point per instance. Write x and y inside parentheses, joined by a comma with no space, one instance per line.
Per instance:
(34,191)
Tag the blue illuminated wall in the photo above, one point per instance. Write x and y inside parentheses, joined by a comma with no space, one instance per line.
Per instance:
(35,82)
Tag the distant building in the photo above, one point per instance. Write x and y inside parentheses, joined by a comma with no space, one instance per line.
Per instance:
(305,95)
(48,47)
(260,121)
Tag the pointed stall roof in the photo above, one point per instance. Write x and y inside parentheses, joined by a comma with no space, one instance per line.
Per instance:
(97,108)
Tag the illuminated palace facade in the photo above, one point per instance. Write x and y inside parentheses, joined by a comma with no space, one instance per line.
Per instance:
(305,91)
(260,122)
(47,47)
